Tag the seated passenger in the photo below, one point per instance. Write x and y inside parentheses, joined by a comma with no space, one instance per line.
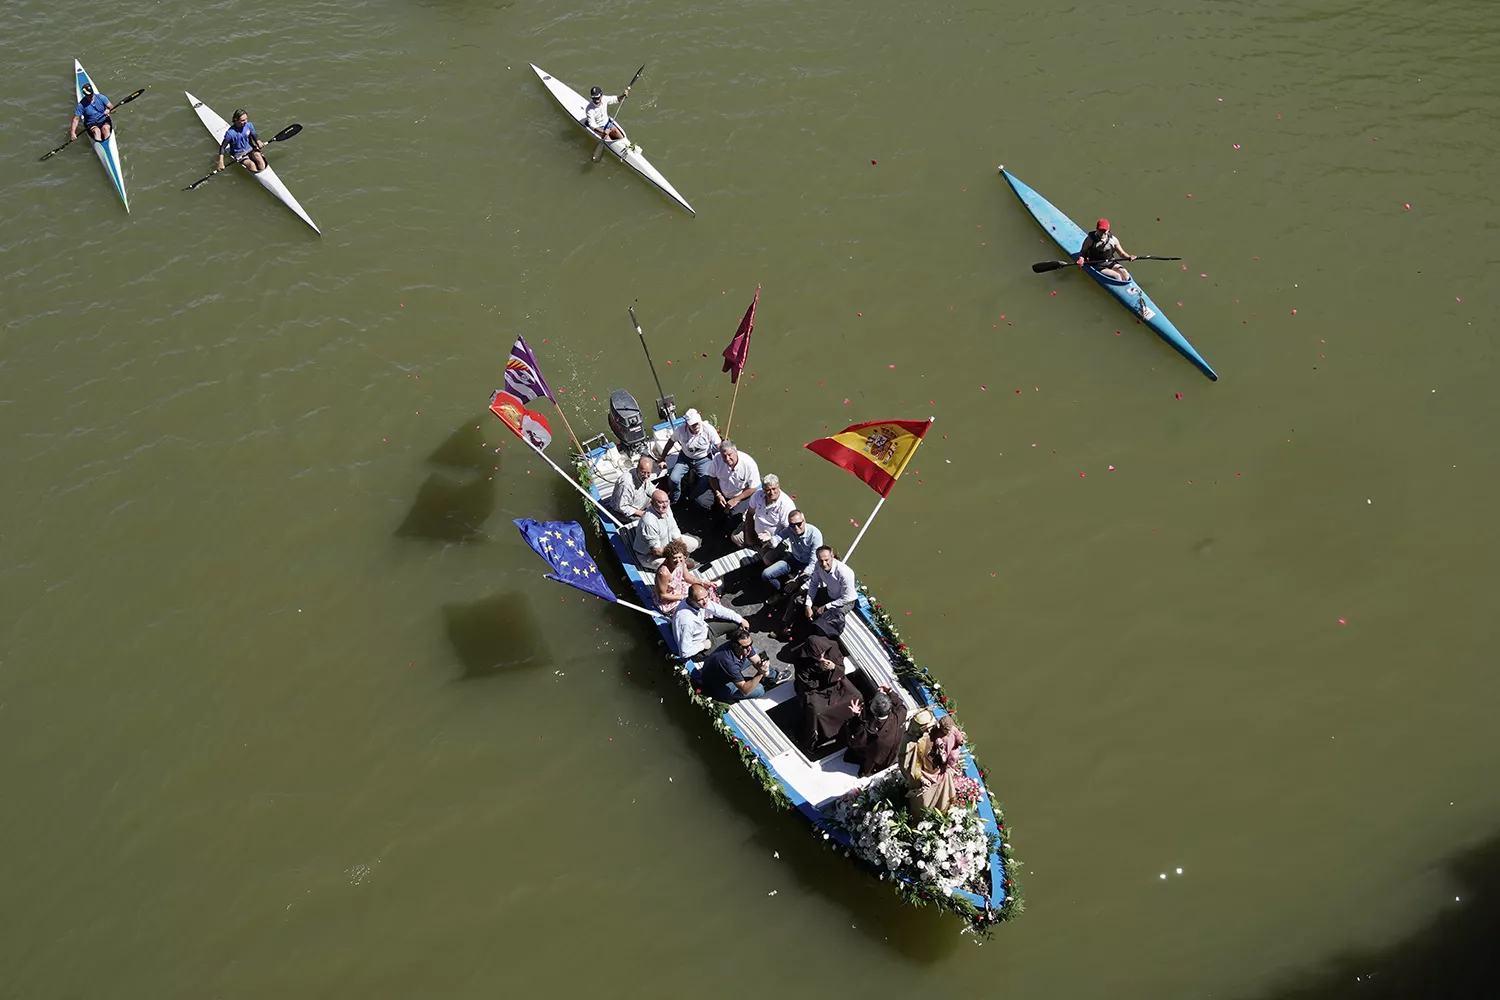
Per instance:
(657,527)
(737,670)
(767,514)
(733,478)
(632,496)
(825,696)
(873,737)
(690,622)
(791,552)
(673,578)
(831,594)
(699,442)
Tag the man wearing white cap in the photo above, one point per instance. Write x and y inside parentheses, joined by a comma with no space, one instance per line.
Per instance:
(699,443)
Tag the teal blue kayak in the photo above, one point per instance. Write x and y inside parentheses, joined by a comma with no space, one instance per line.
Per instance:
(1067,235)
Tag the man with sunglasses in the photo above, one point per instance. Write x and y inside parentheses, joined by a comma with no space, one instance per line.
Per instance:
(737,670)
(596,113)
(791,552)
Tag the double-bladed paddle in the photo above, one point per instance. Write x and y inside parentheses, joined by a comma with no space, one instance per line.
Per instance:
(1053,265)
(281,136)
(119,105)
(599,149)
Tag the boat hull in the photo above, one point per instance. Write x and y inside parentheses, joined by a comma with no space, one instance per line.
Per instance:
(1069,237)
(108,151)
(625,151)
(788,768)
(217,127)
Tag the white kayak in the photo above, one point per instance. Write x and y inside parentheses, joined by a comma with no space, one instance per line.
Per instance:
(628,152)
(108,150)
(267,177)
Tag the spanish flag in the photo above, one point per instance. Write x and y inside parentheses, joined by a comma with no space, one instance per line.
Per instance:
(877,452)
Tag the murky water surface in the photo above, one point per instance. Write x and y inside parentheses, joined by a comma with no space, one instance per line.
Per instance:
(287,710)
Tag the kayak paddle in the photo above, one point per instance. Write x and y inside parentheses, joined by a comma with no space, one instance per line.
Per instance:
(599,149)
(1053,265)
(281,136)
(65,145)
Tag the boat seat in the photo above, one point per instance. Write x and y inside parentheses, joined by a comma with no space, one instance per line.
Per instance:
(864,651)
(752,720)
(726,564)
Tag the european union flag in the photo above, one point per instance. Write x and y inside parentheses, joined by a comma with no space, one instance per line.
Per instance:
(561,544)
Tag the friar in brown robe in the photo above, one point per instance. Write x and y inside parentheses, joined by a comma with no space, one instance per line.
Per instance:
(825,695)
(874,736)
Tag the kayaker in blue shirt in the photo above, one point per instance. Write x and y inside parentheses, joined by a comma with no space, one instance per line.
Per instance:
(1102,245)
(93,111)
(242,144)
(596,114)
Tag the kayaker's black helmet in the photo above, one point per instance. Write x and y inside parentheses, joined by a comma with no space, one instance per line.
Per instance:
(596,93)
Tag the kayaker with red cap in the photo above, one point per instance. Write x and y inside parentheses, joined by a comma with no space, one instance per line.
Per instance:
(1102,245)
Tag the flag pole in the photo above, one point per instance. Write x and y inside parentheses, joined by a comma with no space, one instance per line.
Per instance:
(624,604)
(581,491)
(645,611)
(571,436)
(732,400)
(862,529)
(881,502)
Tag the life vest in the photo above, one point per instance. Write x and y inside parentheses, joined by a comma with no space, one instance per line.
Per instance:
(1103,245)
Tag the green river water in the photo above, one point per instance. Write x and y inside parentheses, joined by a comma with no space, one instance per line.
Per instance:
(286,709)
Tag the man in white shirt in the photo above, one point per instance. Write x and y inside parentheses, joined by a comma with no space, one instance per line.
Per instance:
(596,114)
(699,442)
(632,496)
(767,514)
(831,594)
(733,479)
(657,527)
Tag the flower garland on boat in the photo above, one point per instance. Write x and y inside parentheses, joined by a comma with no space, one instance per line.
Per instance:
(920,677)
(938,851)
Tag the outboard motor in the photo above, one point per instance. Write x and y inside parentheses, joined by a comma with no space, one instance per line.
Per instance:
(625,421)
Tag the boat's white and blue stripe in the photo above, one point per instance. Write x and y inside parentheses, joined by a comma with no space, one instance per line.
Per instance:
(108,150)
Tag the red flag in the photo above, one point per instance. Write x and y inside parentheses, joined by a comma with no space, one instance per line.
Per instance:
(877,452)
(526,424)
(739,348)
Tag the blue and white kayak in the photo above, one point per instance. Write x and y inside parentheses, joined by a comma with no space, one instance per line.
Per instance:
(108,151)
(1067,235)
(628,152)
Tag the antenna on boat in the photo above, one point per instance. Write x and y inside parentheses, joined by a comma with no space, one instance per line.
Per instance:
(666,406)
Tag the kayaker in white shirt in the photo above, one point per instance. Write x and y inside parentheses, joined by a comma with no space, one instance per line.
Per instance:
(1102,245)
(596,113)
